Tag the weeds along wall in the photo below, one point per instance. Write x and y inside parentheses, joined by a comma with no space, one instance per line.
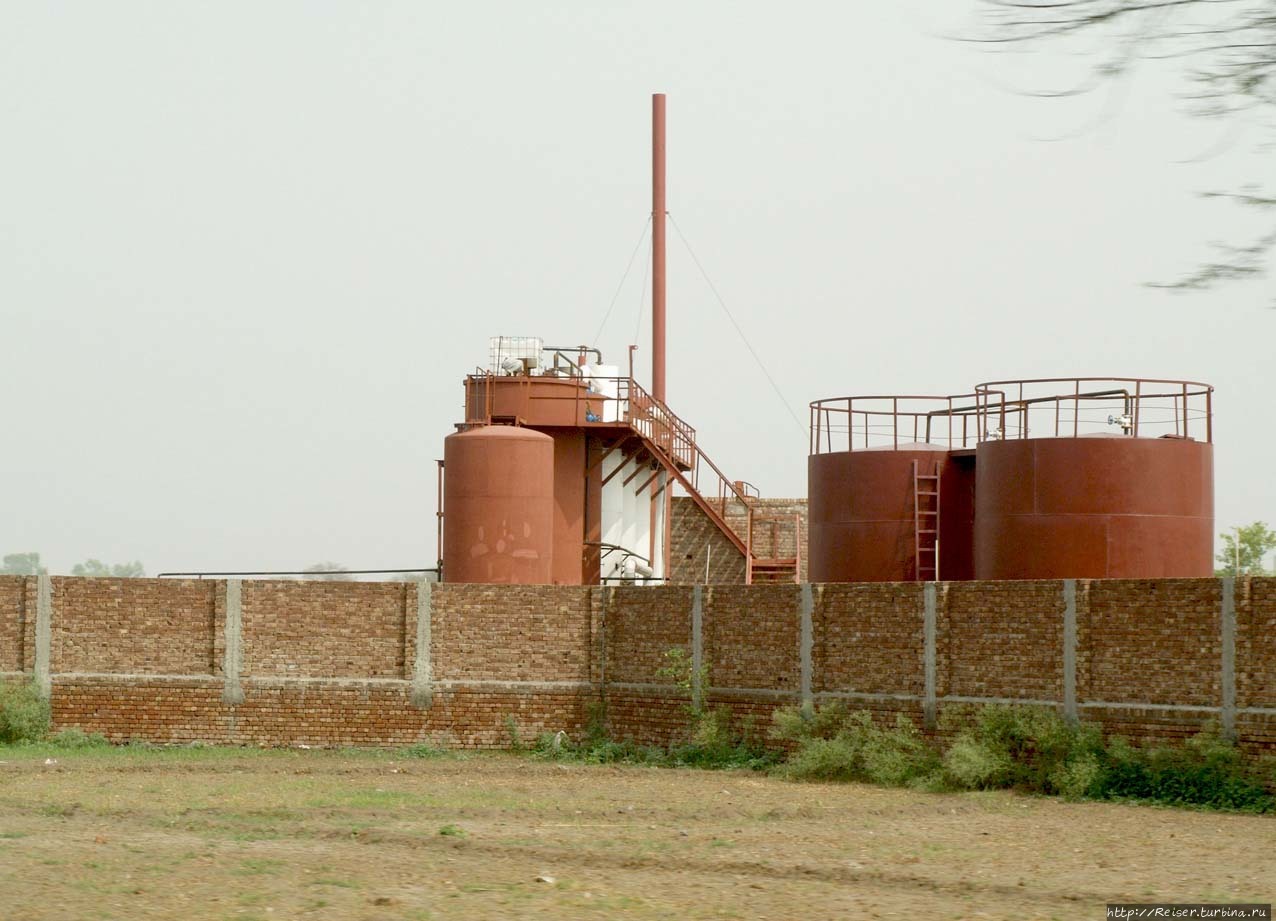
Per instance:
(327,663)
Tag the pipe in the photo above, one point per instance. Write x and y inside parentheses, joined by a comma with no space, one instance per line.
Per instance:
(320,574)
(598,355)
(658,246)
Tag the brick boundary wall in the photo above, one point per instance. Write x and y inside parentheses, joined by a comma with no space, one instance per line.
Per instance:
(335,663)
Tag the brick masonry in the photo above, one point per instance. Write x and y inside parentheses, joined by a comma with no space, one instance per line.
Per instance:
(329,663)
(697,544)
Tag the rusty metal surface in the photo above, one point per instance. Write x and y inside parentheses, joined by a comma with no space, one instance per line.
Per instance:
(658,212)
(572,497)
(1098,507)
(860,518)
(1081,477)
(498,525)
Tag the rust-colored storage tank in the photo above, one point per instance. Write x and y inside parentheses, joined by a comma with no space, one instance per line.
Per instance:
(861,513)
(876,469)
(1094,506)
(498,503)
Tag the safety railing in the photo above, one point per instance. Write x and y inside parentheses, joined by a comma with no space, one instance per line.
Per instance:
(605,402)
(1088,406)
(583,401)
(892,422)
(996,410)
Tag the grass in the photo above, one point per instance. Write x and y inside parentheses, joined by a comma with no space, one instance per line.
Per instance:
(121,833)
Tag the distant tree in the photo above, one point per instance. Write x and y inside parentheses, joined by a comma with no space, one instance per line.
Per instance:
(1245,556)
(96,569)
(22,564)
(328,572)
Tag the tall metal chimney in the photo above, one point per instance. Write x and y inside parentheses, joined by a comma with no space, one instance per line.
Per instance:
(658,246)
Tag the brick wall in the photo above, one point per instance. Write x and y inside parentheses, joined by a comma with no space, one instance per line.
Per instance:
(132,626)
(325,629)
(1002,639)
(12,596)
(695,539)
(696,544)
(337,663)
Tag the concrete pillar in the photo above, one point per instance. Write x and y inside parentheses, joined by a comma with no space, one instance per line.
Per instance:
(1070,650)
(1227,714)
(697,645)
(422,693)
(43,635)
(806,608)
(233,655)
(928,640)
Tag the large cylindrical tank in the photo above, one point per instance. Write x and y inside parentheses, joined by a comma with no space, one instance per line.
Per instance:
(498,506)
(861,525)
(1094,507)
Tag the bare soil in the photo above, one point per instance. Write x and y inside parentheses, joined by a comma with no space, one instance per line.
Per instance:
(235,834)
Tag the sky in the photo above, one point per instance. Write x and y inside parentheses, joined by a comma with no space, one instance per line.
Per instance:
(248,251)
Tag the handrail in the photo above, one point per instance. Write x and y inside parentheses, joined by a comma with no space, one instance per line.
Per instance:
(1056,407)
(649,418)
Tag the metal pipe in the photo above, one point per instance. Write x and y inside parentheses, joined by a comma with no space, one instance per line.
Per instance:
(574,348)
(318,576)
(658,246)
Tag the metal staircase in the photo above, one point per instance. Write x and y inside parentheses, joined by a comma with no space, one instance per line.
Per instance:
(673,444)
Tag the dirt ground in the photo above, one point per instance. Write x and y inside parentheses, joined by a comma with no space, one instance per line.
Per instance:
(235,834)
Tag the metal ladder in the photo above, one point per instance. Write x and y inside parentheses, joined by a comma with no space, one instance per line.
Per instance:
(926,523)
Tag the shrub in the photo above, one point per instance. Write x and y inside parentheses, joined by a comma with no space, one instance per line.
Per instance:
(834,744)
(24,714)
(1033,749)
(1206,771)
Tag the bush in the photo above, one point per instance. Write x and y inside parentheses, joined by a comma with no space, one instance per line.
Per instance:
(1032,749)
(24,714)
(833,744)
(1206,771)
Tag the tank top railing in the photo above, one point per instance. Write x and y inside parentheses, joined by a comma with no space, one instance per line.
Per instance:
(891,422)
(1045,408)
(1088,406)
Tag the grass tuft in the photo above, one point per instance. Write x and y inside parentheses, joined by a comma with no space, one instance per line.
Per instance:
(24,714)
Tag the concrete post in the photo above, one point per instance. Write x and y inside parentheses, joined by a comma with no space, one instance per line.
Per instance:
(1227,714)
(1070,650)
(422,693)
(43,635)
(697,645)
(233,655)
(805,642)
(928,638)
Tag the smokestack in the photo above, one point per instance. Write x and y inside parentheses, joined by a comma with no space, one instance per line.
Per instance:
(658,246)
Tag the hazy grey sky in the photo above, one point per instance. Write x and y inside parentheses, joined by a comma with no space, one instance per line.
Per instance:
(249,250)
